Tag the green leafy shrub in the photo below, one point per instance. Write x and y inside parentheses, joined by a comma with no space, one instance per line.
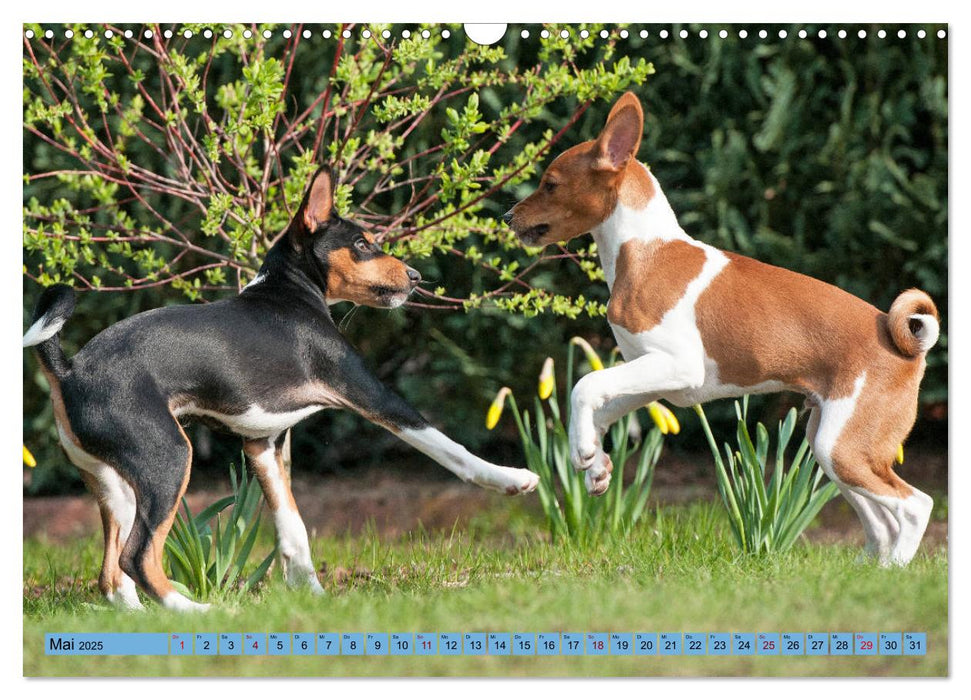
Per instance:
(207,556)
(767,513)
(175,161)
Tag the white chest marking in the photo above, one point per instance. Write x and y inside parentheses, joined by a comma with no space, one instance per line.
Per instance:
(677,333)
(655,222)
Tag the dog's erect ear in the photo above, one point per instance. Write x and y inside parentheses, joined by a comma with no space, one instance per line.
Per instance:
(318,204)
(621,137)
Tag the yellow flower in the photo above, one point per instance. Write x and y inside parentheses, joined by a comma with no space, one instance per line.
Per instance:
(546,379)
(29,458)
(900,453)
(673,425)
(592,357)
(654,409)
(495,410)
(663,418)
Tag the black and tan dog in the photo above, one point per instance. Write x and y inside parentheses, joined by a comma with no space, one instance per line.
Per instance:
(255,364)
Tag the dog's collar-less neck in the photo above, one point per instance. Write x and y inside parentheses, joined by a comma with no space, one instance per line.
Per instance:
(285,267)
(654,222)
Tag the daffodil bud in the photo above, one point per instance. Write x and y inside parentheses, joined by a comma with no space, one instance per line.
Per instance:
(29,458)
(546,379)
(674,427)
(657,415)
(663,418)
(592,357)
(900,453)
(495,410)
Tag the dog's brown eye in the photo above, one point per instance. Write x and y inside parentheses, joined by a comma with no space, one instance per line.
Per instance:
(550,186)
(362,245)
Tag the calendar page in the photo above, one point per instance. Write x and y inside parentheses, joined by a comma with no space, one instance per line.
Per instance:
(507,350)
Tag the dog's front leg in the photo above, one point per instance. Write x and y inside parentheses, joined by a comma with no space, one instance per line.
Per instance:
(376,402)
(267,460)
(466,465)
(601,398)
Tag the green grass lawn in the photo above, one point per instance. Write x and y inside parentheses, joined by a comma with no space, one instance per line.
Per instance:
(679,572)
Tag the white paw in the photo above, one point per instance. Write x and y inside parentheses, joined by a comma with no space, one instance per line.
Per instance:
(874,553)
(298,568)
(178,602)
(885,559)
(510,481)
(597,477)
(303,578)
(585,449)
(584,443)
(125,598)
(524,481)
(898,558)
(584,456)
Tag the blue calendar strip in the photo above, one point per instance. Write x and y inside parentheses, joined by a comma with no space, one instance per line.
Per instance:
(373,644)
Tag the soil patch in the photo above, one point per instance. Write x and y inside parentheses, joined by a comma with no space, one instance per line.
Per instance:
(396,499)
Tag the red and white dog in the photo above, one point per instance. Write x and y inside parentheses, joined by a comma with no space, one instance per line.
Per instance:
(696,323)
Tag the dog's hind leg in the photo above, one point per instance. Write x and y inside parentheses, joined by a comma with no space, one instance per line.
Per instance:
(116,501)
(894,514)
(911,511)
(158,458)
(267,461)
(880,530)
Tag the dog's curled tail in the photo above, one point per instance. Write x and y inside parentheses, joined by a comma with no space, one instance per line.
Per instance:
(55,306)
(913,322)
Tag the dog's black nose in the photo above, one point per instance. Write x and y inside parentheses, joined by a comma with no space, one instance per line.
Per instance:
(414,276)
(507,217)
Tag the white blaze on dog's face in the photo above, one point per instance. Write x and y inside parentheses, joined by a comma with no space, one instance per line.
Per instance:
(347,257)
(582,187)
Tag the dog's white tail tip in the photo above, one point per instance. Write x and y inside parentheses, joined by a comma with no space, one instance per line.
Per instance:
(43,329)
(927,329)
